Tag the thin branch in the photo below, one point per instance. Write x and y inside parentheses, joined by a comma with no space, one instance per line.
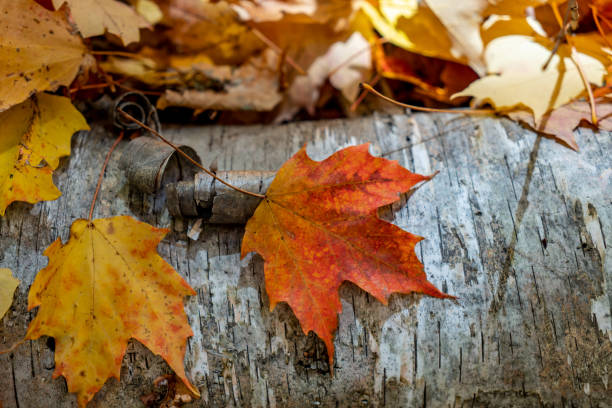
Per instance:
(424,109)
(568,24)
(562,34)
(101,176)
(186,156)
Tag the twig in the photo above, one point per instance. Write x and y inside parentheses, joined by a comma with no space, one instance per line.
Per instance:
(186,156)
(570,23)
(101,176)
(424,109)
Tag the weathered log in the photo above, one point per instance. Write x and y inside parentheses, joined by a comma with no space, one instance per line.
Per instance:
(515,227)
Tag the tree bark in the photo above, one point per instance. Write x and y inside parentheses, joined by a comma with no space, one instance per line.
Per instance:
(515,226)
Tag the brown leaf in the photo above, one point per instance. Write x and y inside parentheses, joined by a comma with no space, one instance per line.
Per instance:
(561,122)
(94,17)
(252,86)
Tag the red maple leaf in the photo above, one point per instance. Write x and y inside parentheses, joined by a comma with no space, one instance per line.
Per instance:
(318,227)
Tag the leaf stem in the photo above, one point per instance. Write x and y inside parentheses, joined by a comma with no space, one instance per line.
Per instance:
(186,156)
(101,176)
(424,109)
(585,82)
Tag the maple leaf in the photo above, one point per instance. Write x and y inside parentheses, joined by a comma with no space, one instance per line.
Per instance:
(8,284)
(35,135)
(94,17)
(561,122)
(519,78)
(318,227)
(107,284)
(37,49)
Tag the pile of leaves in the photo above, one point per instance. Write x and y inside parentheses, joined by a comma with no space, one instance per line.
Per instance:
(540,62)
(277,60)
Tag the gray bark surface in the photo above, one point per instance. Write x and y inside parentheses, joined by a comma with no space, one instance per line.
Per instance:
(516,226)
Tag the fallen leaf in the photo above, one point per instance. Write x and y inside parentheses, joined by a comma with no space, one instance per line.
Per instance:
(346,64)
(332,12)
(37,49)
(604,7)
(107,284)
(414,29)
(214,28)
(149,10)
(252,86)
(36,134)
(272,10)
(462,21)
(94,17)
(515,63)
(8,284)
(318,227)
(424,72)
(147,67)
(561,122)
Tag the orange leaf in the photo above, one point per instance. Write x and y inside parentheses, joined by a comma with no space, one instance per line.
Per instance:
(318,227)
(104,286)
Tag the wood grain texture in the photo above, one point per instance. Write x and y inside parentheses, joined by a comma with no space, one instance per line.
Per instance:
(516,226)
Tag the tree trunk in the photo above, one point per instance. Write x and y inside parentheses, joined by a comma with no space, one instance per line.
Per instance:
(515,227)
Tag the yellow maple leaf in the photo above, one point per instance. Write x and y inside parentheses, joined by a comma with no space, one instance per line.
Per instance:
(516,61)
(94,17)
(37,49)
(8,284)
(35,135)
(107,284)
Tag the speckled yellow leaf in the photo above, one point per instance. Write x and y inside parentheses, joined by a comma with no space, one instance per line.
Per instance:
(8,284)
(94,17)
(34,135)
(516,61)
(38,51)
(107,284)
